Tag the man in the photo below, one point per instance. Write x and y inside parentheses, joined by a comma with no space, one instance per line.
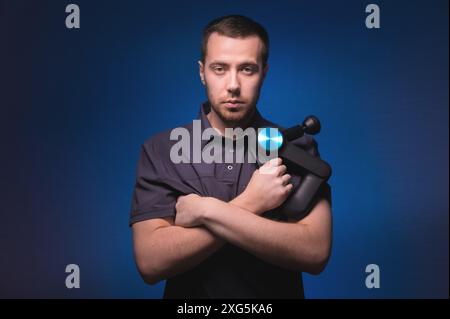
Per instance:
(212,229)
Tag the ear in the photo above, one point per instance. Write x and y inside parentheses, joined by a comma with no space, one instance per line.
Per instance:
(201,70)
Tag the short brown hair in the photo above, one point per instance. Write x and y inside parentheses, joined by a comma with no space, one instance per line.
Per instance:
(236,26)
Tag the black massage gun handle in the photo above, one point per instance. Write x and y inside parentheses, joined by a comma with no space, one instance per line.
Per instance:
(313,171)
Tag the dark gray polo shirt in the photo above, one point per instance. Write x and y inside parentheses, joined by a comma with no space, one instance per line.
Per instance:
(230,272)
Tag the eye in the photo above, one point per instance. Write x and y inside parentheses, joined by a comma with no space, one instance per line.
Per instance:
(248,70)
(218,69)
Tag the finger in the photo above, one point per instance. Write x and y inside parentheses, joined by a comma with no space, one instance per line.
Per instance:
(285,179)
(274,162)
(289,188)
(281,170)
(271,166)
(278,161)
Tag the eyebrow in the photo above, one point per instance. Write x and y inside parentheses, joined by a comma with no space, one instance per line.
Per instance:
(240,64)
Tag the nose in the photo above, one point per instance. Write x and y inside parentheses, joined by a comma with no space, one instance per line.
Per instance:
(234,86)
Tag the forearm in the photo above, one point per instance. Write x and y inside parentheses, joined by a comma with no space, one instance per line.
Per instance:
(289,245)
(172,249)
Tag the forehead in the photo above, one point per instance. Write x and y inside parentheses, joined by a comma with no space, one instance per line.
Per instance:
(233,50)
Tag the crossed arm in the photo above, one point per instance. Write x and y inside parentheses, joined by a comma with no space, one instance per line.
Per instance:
(166,247)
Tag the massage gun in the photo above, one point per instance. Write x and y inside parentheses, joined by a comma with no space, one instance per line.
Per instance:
(308,171)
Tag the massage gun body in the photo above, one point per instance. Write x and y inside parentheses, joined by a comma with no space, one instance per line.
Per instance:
(312,170)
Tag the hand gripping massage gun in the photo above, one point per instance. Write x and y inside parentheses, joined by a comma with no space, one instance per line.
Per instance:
(309,171)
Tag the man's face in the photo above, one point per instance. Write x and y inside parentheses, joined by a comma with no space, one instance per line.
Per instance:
(233,75)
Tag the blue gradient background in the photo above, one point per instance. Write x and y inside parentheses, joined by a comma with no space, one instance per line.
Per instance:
(77,104)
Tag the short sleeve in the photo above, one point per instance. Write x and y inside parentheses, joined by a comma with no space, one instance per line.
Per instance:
(324,192)
(153,195)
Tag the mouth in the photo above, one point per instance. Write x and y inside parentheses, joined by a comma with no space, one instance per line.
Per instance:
(233,104)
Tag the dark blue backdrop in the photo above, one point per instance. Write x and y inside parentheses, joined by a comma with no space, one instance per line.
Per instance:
(77,104)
